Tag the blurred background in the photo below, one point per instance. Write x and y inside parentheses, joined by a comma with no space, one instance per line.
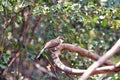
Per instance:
(26,25)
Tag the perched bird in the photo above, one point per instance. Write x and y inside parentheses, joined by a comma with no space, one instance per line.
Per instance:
(51,44)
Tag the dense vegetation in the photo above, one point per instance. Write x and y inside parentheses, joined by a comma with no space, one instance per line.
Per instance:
(92,24)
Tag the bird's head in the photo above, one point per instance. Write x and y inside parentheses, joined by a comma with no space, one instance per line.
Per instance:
(61,38)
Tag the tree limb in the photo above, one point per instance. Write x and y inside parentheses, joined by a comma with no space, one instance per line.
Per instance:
(96,64)
(84,52)
(100,70)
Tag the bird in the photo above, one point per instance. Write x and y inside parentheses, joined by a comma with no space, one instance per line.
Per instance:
(51,44)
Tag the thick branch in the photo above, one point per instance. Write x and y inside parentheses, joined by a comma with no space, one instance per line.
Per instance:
(67,69)
(109,54)
(84,52)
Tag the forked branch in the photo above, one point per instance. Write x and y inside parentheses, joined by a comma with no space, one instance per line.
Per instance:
(105,57)
(111,67)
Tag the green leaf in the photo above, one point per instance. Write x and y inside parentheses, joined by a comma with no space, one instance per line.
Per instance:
(104,22)
(96,19)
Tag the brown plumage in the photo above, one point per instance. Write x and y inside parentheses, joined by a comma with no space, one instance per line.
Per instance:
(51,44)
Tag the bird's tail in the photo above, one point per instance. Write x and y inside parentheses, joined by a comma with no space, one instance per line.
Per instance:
(39,55)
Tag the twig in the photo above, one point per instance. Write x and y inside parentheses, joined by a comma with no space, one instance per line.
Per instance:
(43,69)
(10,63)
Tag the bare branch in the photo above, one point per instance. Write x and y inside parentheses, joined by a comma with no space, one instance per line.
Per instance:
(96,64)
(84,52)
(100,70)
(43,69)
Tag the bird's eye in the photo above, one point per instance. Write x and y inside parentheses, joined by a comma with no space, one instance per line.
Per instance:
(62,38)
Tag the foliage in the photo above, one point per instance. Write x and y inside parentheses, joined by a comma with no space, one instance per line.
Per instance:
(93,25)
